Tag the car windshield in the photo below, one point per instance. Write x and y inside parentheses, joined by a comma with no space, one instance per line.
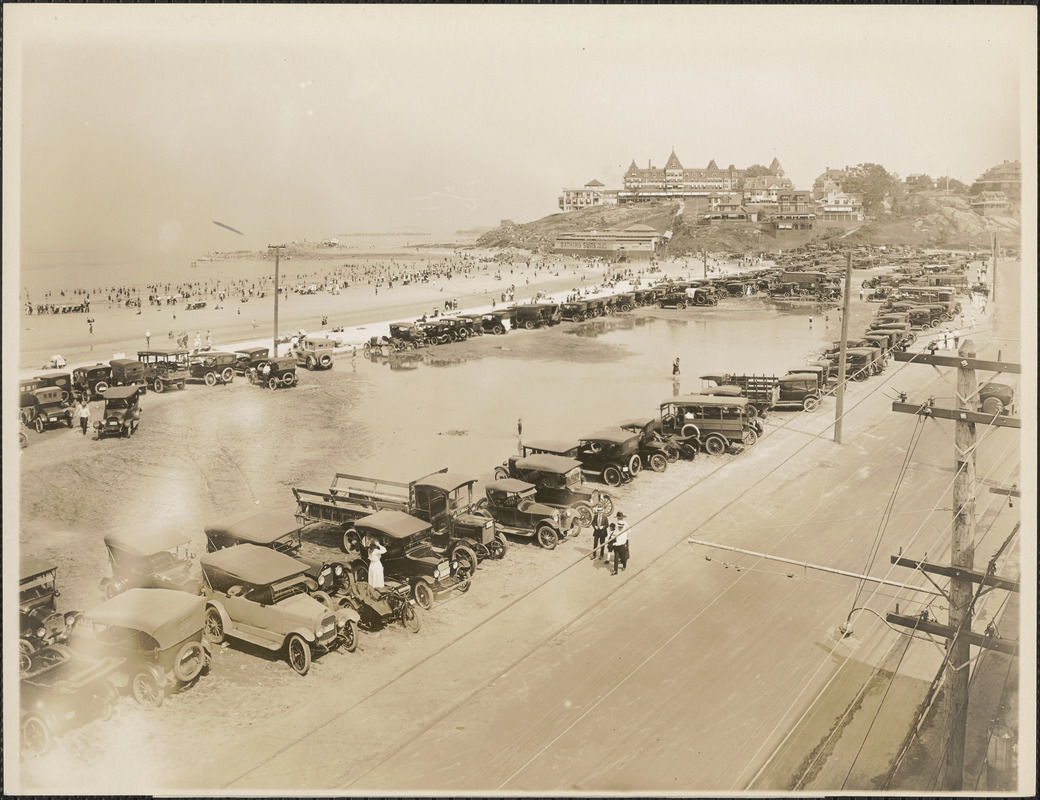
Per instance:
(281,589)
(118,403)
(156,562)
(38,586)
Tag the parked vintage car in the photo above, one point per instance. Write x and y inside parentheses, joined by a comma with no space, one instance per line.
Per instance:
(127,372)
(799,389)
(91,382)
(716,421)
(122,412)
(157,632)
(558,482)
(611,455)
(247,358)
(39,622)
(528,317)
(213,367)
(516,511)
(274,372)
(676,299)
(702,296)
(263,597)
(59,380)
(280,531)
(149,560)
(445,500)
(625,302)
(576,311)
(44,408)
(314,353)
(496,322)
(654,451)
(60,689)
(378,608)
(407,337)
(165,368)
(410,555)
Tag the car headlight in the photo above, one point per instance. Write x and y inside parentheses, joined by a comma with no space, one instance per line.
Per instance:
(321,580)
(556,515)
(41,632)
(338,570)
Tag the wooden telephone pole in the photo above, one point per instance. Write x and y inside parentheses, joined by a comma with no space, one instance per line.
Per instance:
(961,571)
(274,341)
(839,406)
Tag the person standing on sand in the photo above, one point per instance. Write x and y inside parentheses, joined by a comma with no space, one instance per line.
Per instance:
(83,412)
(148,338)
(675,368)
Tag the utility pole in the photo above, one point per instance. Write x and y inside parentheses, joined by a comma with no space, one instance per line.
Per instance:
(274,341)
(961,571)
(993,291)
(839,406)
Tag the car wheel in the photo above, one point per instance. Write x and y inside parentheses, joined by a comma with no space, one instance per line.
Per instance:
(547,537)
(423,595)
(325,360)
(36,735)
(288,379)
(498,330)
(213,626)
(158,386)
(189,662)
(465,578)
(810,403)
(501,473)
(715,445)
(464,554)
(749,437)
(529,324)
(298,654)
(659,304)
(925,326)
(680,305)
(25,651)
(350,636)
(227,375)
(100,387)
(752,411)
(634,465)
(272,383)
(584,514)
(310,362)
(38,424)
(410,618)
(360,572)
(612,475)
(658,463)
(687,451)
(671,453)
(607,502)
(351,543)
(497,547)
(211,379)
(146,690)
(689,430)
(323,597)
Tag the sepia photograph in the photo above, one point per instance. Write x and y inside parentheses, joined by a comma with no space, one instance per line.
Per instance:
(359,351)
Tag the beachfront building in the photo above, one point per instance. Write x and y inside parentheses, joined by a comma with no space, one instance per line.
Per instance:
(674,180)
(636,242)
(991,203)
(592,193)
(1006,178)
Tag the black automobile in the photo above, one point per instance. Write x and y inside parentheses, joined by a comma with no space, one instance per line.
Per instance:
(410,556)
(516,511)
(611,455)
(274,372)
(247,358)
(91,382)
(213,367)
(165,368)
(558,481)
(45,408)
(122,412)
(495,322)
(40,623)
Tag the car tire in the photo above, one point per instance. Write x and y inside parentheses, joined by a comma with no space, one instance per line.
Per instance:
(351,544)
(227,375)
(659,304)
(497,548)
(410,618)
(687,451)
(634,465)
(310,362)
(752,411)
(25,651)
(289,379)
(607,502)
(350,636)
(501,473)
(211,379)
(38,424)
(158,386)
(715,445)
(465,554)
(36,735)
(213,626)
(146,690)
(325,361)
(749,437)
(298,654)
(423,595)
(498,330)
(188,664)
(658,463)
(680,305)
(100,388)
(810,403)
(583,511)
(547,537)
(689,430)
(465,578)
(671,453)
(529,324)
(612,475)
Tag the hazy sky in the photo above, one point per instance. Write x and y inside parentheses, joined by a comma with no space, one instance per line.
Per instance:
(139,126)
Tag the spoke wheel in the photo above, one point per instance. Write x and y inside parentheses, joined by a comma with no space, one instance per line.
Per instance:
(749,437)
(465,556)
(146,690)
(25,651)
(36,735)
(715,445)
(213,626)
(688,451)
(410,618)
(501,473)
(298,654)
(612,475)
(423,595)
(211,379)
(227,375)
(811,403)
(350,636)
(634,465)
(671,453)
(189,662)
(497,548)
(547,537)
(658,463)
(584,513)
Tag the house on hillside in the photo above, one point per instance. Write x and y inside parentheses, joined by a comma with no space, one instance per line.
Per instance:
(1006,178)
(724,206)
(765,188)
(636,242)
(830,180)
(989,203)
(593,193)
(795,211)
(841,207)
(675,180)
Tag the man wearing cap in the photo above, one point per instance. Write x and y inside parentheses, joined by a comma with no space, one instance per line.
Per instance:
(621,543)
(599,532)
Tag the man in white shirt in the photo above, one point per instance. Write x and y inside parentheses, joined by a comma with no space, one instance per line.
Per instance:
(620,543)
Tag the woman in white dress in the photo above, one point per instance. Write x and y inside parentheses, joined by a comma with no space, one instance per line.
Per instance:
(375,565)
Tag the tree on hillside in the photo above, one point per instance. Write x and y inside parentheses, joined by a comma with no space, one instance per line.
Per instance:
(873,183)
(916,183)
(754,171)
